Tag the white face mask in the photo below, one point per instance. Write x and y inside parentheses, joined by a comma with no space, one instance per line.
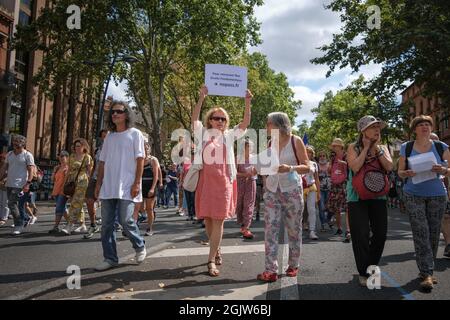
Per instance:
(323,161)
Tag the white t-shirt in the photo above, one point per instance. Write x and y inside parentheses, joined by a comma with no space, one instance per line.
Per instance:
(119,153)
(18,168)
(310,177)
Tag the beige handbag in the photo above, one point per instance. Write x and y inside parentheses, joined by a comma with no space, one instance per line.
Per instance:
(191,179)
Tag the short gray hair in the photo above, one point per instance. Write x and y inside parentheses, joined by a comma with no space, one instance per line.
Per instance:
(281,121)
(18,138)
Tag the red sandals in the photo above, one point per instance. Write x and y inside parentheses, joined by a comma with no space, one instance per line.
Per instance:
(291,272)
(267,276)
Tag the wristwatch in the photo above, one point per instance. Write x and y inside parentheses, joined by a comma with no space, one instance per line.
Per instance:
(291,169)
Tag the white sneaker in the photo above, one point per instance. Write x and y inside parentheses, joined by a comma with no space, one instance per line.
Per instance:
(33,220)
(105,265)
(313,235)
(81,229)
(140,256)
(17,231)
(68,229)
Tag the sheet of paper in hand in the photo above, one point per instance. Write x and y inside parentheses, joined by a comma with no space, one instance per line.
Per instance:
(422,164)
(226,80)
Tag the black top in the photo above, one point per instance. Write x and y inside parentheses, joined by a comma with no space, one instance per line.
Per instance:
(147,174)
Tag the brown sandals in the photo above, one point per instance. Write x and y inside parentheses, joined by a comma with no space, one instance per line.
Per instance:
(218,258)
(212,269)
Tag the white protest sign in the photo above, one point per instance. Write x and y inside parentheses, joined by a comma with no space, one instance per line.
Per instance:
(226,80)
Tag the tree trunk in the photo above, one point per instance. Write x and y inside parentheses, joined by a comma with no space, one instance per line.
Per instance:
(71,113)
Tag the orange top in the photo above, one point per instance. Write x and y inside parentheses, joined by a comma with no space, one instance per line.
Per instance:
(58,185)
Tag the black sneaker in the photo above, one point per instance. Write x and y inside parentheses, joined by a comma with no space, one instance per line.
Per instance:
(447,251)
(54,230)
(347,237)
(338,232)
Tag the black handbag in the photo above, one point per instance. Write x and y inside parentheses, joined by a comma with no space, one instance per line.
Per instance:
(70,186)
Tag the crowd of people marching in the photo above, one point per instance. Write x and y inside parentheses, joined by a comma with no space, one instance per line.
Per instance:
(312,190)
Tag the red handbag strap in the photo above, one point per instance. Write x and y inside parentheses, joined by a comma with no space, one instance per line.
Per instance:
(293,147)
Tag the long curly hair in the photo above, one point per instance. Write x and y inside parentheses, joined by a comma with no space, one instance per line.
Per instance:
(130,115)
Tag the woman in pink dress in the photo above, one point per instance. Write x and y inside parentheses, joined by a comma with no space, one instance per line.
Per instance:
(216,193)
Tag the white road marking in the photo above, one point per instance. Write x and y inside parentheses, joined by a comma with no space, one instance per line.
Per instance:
(200,251)
(289,285)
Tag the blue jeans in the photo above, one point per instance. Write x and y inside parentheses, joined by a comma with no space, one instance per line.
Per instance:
(322,206)
(169,191)
(125,208)
(190,199)
(162,196)
(61,205)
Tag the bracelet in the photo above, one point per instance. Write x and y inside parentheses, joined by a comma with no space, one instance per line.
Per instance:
(379,153)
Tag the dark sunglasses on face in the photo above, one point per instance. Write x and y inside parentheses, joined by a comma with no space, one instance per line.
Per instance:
(117,111)
(219,119)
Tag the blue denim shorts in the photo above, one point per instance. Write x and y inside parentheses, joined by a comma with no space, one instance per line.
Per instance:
(61,205)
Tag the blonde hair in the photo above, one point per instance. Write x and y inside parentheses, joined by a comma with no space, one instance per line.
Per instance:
(311,149)
(210,113)
(83,142)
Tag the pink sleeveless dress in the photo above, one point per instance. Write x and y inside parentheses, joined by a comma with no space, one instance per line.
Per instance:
(216,195)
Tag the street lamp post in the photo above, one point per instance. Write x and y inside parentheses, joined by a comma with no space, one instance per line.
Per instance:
(117,58)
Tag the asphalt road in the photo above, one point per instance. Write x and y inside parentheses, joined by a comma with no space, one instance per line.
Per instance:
(33,266)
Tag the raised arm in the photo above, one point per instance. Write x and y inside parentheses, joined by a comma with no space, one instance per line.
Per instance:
(355,161)
(247,114)
(198,107)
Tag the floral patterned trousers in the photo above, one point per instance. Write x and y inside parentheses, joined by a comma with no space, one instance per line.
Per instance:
(289,207)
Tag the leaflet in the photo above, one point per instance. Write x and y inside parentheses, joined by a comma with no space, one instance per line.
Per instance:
(422,164)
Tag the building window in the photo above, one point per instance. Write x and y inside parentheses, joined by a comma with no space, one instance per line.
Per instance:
(21,65)
(18,108)
(24,18)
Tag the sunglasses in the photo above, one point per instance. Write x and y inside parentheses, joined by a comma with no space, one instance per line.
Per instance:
(219,119)
(117,111)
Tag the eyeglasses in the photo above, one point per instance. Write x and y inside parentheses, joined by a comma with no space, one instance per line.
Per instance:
(118,111)
(219,119)
(78,146)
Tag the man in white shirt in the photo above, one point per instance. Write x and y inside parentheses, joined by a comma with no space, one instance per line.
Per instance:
(19,166)
(119,183)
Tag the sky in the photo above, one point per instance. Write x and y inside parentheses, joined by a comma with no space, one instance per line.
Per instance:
(291,31)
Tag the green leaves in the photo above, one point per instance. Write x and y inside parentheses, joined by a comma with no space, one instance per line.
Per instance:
(338,114)
(413,44)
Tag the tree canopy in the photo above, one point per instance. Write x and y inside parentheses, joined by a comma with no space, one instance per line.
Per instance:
(412,44)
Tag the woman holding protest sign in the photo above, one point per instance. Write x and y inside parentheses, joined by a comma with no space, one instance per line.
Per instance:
(216,193)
